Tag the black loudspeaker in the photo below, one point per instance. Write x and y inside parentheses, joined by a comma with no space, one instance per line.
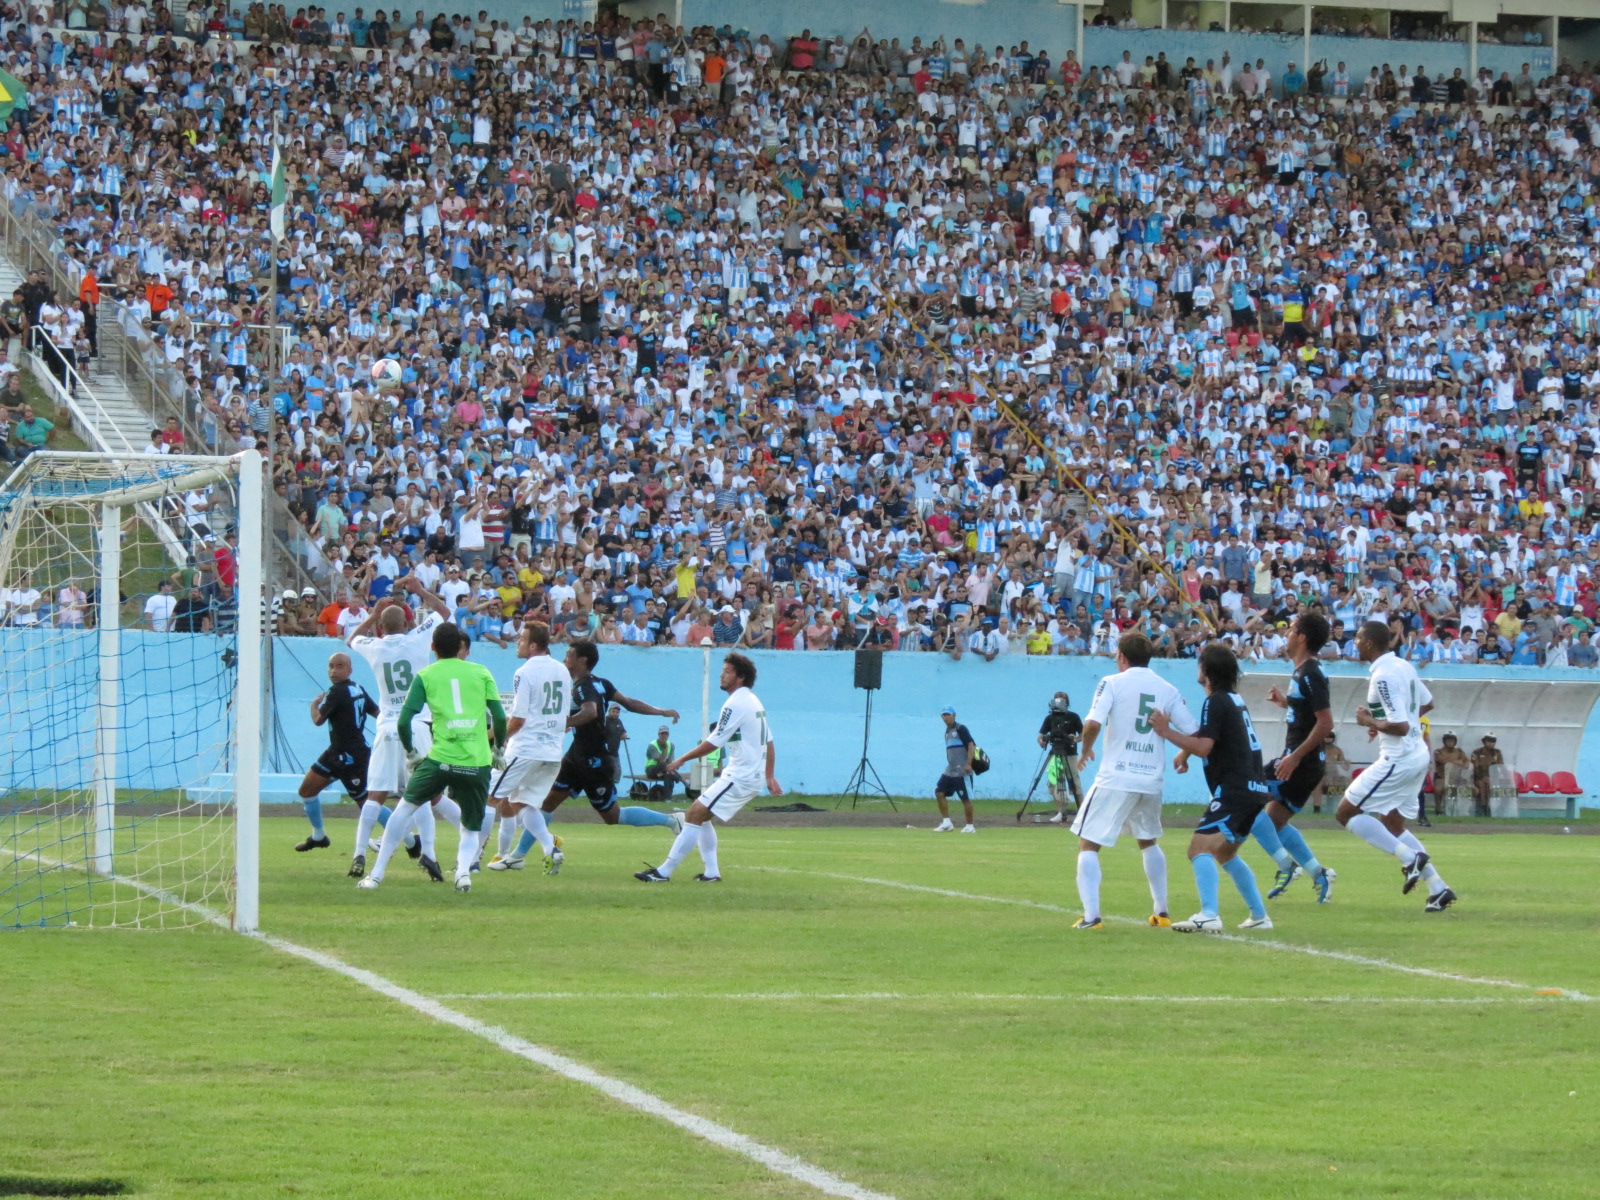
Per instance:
(869,670)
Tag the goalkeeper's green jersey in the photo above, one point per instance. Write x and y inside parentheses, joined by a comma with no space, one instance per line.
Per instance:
(458,693)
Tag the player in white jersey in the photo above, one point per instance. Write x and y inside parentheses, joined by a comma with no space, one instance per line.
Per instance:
(1126,793)
(541,694)
(1376,806)
(395,655)
(748,762)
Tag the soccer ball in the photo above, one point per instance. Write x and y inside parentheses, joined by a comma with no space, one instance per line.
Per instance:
(386,374)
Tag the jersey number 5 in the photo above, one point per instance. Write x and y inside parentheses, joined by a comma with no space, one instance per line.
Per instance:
(1147,705)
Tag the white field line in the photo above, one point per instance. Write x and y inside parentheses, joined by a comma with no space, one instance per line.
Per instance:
(775,1160)
(1004,998)
(1265,943)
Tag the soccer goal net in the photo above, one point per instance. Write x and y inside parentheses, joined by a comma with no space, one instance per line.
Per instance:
(130,663)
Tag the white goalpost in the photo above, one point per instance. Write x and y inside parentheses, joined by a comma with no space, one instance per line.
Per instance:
(131,626)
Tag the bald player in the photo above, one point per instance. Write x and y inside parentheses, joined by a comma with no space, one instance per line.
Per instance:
(344,709)
(396,651)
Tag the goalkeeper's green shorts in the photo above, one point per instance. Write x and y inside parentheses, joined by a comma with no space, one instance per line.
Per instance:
(468,787)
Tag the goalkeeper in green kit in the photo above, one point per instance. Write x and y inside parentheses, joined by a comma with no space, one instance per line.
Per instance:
(458,693)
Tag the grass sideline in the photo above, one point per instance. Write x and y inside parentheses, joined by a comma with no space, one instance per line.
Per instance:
(919,1044)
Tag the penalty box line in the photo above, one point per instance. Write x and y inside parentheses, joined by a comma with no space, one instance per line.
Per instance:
(1361,960)
(777,1161)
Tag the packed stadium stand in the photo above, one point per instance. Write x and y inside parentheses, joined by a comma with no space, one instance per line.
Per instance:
(727,329)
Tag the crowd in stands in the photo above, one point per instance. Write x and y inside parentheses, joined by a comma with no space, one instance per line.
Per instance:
(817,343)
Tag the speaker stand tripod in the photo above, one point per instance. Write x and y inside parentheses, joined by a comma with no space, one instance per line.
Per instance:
(865,777)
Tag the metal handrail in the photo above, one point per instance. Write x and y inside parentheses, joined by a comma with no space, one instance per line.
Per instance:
(130,352)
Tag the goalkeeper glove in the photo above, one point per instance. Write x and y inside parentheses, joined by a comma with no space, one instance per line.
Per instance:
(499,760)
(413,757)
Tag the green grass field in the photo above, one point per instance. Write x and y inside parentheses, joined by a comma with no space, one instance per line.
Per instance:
(918,1044)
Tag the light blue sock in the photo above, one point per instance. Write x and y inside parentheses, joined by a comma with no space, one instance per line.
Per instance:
(383,816)
(1207,881)
(314,815)
(1245,880)
(1265,832)
(1295,843)
(525,842)
(644,816)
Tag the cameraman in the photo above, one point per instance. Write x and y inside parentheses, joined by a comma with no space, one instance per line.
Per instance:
(1060,733)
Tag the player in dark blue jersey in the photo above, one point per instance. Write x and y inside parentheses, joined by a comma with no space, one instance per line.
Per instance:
(1297,773)
(344,709)
(1227,741)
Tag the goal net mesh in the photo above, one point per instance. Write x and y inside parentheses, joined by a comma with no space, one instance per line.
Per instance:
(116,743)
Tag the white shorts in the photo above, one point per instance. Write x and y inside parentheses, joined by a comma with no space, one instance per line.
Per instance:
(1390,786)
(1108,813)
(728,794)
(386,769)
(525,780)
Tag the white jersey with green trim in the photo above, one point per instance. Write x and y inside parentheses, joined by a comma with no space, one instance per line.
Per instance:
(1133,757)
(1396,693)
(741,731)
(541,693)
(395,661)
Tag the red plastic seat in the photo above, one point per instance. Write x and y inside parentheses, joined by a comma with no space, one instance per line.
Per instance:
(1522,783)
(1566,783)
(1538,784)
(1355,773)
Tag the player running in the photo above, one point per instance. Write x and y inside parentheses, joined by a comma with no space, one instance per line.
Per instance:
(589,766)
(458,693)
(396,655)
(540,704)
(1227,741)
(750,761)
(1126,793)
(344,709)
(1376,806)
(1298,771)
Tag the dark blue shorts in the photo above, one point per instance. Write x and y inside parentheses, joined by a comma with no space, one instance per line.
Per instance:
(350,769)
(596,778)
(1294,793)
(1231,816)
(952,785)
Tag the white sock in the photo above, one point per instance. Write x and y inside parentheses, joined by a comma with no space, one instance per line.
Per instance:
(427,830)
(449,810)
(1430,876)
(364,823)
(533,821)
(708,849)
(510,830)
(394,834)
(686,841)
(486,834)
(1089,883)
(467,851)
(1155,871)
(1373,832)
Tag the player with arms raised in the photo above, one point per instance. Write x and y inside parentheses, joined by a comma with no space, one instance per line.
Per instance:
(750,760)
(1377,805)
(460,761)
(540,702)
(1126,793)
(396,655)
(1298,771)
(1227,741)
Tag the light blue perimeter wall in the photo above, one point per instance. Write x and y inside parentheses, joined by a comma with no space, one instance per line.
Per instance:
(173,719)
(816,715)
(997,22)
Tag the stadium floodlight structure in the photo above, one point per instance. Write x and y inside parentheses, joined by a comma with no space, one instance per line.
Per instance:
(129,755)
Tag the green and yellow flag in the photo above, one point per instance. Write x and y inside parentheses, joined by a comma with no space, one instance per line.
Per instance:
(13,95)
